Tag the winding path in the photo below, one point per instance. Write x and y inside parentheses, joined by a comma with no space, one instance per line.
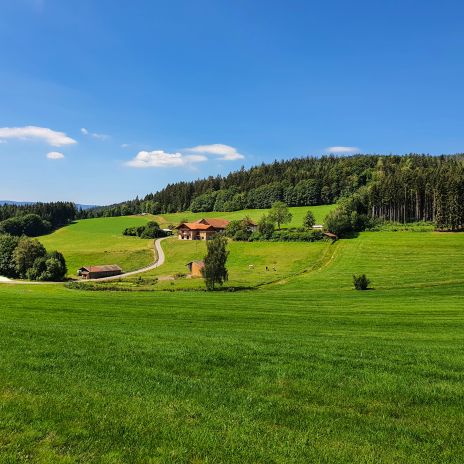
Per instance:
(159,261)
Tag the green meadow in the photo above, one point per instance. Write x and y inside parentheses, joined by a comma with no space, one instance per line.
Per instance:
(100,241)
(298,213)
(302,370)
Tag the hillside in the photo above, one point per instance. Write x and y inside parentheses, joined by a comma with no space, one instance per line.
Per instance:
(100,240)
(394,188)
(312,368)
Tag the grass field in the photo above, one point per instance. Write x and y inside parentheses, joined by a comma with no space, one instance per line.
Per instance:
(100,241)
(281,260)
(298,213)
(304,370)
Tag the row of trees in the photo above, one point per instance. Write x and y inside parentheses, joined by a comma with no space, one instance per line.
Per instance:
(28,259)
(57,214)
(241,230)
(413,189)
(394,188)
(297,182)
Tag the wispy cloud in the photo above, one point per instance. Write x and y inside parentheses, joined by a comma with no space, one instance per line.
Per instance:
(94,135)
(161,159)
(224,152)
(55,155)
(340,149)
(44,134)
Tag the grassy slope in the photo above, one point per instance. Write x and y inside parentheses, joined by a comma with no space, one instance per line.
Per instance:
(320,212)
(100,241)
(282,259)
(309,371)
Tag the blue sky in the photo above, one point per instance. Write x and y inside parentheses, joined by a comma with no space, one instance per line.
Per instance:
(101,101)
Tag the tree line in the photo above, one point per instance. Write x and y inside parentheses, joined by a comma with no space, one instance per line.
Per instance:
(392,188)
(35,219)
(405,190)
(297,182)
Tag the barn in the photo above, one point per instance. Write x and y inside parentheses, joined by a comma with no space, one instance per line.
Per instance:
(98,272)
(195,268)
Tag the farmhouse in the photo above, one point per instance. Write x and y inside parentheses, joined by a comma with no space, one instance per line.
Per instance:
(98,272)
(251,225)
(203,229)
(195,268)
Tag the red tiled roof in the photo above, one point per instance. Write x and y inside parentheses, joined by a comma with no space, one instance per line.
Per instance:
(196,226)
(216,222)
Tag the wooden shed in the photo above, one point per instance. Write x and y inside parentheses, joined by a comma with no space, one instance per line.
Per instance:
(98,272)
(195,268)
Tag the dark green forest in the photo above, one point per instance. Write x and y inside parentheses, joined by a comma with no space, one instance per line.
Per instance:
(404,188)
(35,219)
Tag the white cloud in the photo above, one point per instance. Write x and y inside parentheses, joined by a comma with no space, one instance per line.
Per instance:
(55,155)
(224,152)
(53,138)
(342,150)
(125,145)
(95,135)
(100,136)
(161,159)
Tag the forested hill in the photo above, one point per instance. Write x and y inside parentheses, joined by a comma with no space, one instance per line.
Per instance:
(403,188)
(300,181)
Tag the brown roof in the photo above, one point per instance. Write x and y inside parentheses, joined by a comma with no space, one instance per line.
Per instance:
(215,222)
(104,268)
(250,222)
(195,226)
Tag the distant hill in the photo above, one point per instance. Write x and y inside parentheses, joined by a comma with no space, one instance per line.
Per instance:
(25,203)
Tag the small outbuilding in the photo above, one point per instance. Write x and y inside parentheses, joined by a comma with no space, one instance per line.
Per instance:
(98,272)
(196,268)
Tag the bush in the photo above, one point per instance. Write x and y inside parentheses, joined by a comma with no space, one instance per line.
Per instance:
(339,222)
(266,227)
(31,225)
(50,268)
(361,282)
(150,230)
(25,254)
(8,244)
(242,236)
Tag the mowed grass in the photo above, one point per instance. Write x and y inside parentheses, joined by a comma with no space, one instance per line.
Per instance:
(100,241)
(249,264)
(303,371)
(298,213)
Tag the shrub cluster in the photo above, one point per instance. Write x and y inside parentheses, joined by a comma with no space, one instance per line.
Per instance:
(31,225)
(150,230)
(27,258)
(289,235)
